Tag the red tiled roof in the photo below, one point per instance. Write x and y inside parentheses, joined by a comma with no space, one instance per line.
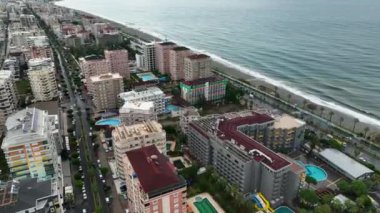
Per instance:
(198,56)
(228,130)
(153,174)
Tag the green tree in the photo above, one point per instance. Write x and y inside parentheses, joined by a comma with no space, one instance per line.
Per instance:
(77,176)
(75,161)
(358,188)
(78,184)
(325,208)
(363,202)
(337,206)
(308,197)
(351,207)
(327,199)
(331,114)
(355,122)
(311,180)
(344,187)
(104,170)
(75,155)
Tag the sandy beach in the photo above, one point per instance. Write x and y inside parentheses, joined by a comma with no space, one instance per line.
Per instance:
(345,120)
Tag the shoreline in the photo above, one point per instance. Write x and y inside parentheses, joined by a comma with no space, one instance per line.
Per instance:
(348,113)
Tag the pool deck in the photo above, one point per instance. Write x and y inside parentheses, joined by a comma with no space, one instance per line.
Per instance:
(190,202)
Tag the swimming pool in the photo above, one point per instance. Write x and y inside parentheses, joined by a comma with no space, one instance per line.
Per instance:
(147,76)
(171,107)
(316,172)
(204,205)
(108,122)
(283,209)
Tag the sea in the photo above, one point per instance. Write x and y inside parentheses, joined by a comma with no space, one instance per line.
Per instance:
(327,51)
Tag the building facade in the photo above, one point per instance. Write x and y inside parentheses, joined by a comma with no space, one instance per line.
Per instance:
(135,136)
(177,57)
(31,143)
(105,89)
(222,141)
(136,112)
(93,65)
(197,66)
(154,94)
(188,115)
(153,184)
(162,51)
(212,89)
(118,60)
(8,97)
(41,74)
(148,57)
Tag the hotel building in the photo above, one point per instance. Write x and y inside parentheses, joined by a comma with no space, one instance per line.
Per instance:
(93,65)
(225,142)
(105,89)
(118,61)
(41,74)
(8,97)
(212,89)
(127,138)
(153,184)
(162,56)
(136,112)
(188,115)
(30,145)
(148,59)
(177,57)
(154,94)
(197,66)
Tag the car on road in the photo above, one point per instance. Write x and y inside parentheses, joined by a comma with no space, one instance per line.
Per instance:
(100,176)
(90,134)
(107,200)
(80,168)
(84,211)
(85,196)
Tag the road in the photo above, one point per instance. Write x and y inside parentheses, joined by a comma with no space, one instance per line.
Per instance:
(81,121)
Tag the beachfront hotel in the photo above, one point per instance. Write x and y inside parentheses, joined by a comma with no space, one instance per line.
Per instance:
(136,112)
(154,94)
(41,74)
(8,97)
(153,184)
(197,66)
(105,89)
(212,89)
(177,57)
(135,136)
(148,58)
(162,51)
(93,65)
(30,144)
(118,61)
(224,142)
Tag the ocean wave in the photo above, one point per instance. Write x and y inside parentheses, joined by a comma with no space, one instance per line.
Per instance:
(357,113)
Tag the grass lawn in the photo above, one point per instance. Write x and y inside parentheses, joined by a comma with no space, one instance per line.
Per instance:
(23,87)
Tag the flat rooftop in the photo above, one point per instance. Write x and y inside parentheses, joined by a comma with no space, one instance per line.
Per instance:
(154,171)
(28,192)
(198,56)
(167,43)
(203,81)
(137,130)
(138,106)
(106,76)
(348,165)
(287,122)
(180,48)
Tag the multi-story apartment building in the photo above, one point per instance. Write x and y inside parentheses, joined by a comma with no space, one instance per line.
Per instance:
(8,97)
(13,64)
(212,89)
(118,60)
(39,48)
(148,59)
(162,50)
(225,142)
(197,66)
(105,89)
(188,115)
(177,57)
(137,112)
(153,184)
(135,136)
(30,145)
(93,65)
(154,94)
(41,74)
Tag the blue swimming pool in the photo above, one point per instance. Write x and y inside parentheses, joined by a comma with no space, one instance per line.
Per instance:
(283,209)
(171,107)
(108,122)
(148,76)
(316,172)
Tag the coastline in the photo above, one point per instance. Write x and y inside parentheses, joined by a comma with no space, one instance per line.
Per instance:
(348,113)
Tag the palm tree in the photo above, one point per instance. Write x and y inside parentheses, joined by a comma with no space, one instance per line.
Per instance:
(321,109)
(366,129)
(289,97)
(331,114)
(341,119)
(355,122)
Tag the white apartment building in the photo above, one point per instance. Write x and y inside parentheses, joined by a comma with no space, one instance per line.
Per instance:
(135,136)
(136,112)
(149,57)
(154,94)
(104,89)
(8,97)
(188,115)
(30,145)
(41,75)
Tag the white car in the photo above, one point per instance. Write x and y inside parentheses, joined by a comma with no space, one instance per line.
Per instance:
(103,181)
(107,200)
(100,176)
(84,211)
(98,161)
(90,134)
